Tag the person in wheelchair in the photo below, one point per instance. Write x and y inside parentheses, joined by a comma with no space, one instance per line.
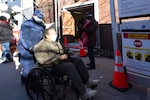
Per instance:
(51,53)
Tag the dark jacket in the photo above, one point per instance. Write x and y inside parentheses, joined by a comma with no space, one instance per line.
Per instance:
(91,31)
(6,34)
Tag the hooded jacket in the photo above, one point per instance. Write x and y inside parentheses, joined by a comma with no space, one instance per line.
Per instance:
(30,34)
(6,34)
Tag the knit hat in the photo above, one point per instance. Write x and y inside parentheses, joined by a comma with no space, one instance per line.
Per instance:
(39,14)
(89,15)
(3,18)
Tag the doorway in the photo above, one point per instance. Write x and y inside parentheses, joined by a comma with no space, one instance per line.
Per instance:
(78,16)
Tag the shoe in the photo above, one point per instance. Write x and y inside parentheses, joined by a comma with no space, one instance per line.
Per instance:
(7,61)
(89,94)
(92,83)
(9,58)
(90,66)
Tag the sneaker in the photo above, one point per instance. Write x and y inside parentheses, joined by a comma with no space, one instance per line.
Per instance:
(7,61)
(92,83)
(9,58)
(90,66)
(89,94)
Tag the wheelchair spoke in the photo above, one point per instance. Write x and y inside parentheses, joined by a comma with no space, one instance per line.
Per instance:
(39,85)
(46,86)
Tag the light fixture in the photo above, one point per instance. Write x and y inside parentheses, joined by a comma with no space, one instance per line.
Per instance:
(77,12)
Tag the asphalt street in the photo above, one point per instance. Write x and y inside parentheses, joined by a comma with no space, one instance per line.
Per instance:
(11,87)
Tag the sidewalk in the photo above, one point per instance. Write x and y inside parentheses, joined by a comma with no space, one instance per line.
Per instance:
(12,89)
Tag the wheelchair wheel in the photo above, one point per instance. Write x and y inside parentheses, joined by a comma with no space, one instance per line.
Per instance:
(40,85)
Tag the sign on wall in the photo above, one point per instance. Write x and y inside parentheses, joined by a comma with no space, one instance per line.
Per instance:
(136,52)
(130,8)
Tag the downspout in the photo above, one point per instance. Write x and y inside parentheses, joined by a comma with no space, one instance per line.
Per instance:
(113,25)
(56,15)
(96,15)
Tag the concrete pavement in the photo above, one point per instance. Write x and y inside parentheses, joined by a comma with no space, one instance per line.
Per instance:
(12,89)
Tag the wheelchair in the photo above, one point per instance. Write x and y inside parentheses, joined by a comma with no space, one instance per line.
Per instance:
(43,84)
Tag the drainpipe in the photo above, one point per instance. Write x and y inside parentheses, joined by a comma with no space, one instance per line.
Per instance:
(59,16)
(56,15)
(57,10)
(113,25)
(96,15)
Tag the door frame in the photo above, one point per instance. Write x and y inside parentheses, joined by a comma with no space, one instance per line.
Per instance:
(95,3)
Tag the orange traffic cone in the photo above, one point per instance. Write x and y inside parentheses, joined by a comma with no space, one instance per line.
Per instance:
(119,81)
(82,51)
(65,41)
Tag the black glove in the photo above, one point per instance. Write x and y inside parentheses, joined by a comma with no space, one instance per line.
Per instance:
(31,50)
(71,53)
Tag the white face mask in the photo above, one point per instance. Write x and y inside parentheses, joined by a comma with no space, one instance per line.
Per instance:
(88,20)
(38,20)
(54,37)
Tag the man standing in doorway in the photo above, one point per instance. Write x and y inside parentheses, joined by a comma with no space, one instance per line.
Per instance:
(90,28)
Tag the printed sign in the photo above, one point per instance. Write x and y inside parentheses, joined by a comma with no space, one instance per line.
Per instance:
(130,8)
(136,52)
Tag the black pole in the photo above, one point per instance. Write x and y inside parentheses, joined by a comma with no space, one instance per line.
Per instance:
(34,5)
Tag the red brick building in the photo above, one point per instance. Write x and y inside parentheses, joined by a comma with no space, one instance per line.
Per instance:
(100,7)
(71,11)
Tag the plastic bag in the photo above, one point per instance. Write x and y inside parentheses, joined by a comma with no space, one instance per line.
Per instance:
(85,39)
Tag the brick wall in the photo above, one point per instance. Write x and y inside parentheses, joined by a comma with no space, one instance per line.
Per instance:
(104,9)
(47,8)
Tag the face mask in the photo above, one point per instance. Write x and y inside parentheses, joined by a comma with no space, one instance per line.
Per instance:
(88,20)
(54,37)
(38,20)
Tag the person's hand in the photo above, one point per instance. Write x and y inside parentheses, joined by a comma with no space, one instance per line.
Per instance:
(71,53)
(63,57)
(31,50)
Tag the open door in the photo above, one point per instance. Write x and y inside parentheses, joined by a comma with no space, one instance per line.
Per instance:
(68,23)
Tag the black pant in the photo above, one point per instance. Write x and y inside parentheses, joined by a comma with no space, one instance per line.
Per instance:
(76,70)
(91,57)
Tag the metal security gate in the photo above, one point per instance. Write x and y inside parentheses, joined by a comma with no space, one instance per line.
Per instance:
(106,41)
